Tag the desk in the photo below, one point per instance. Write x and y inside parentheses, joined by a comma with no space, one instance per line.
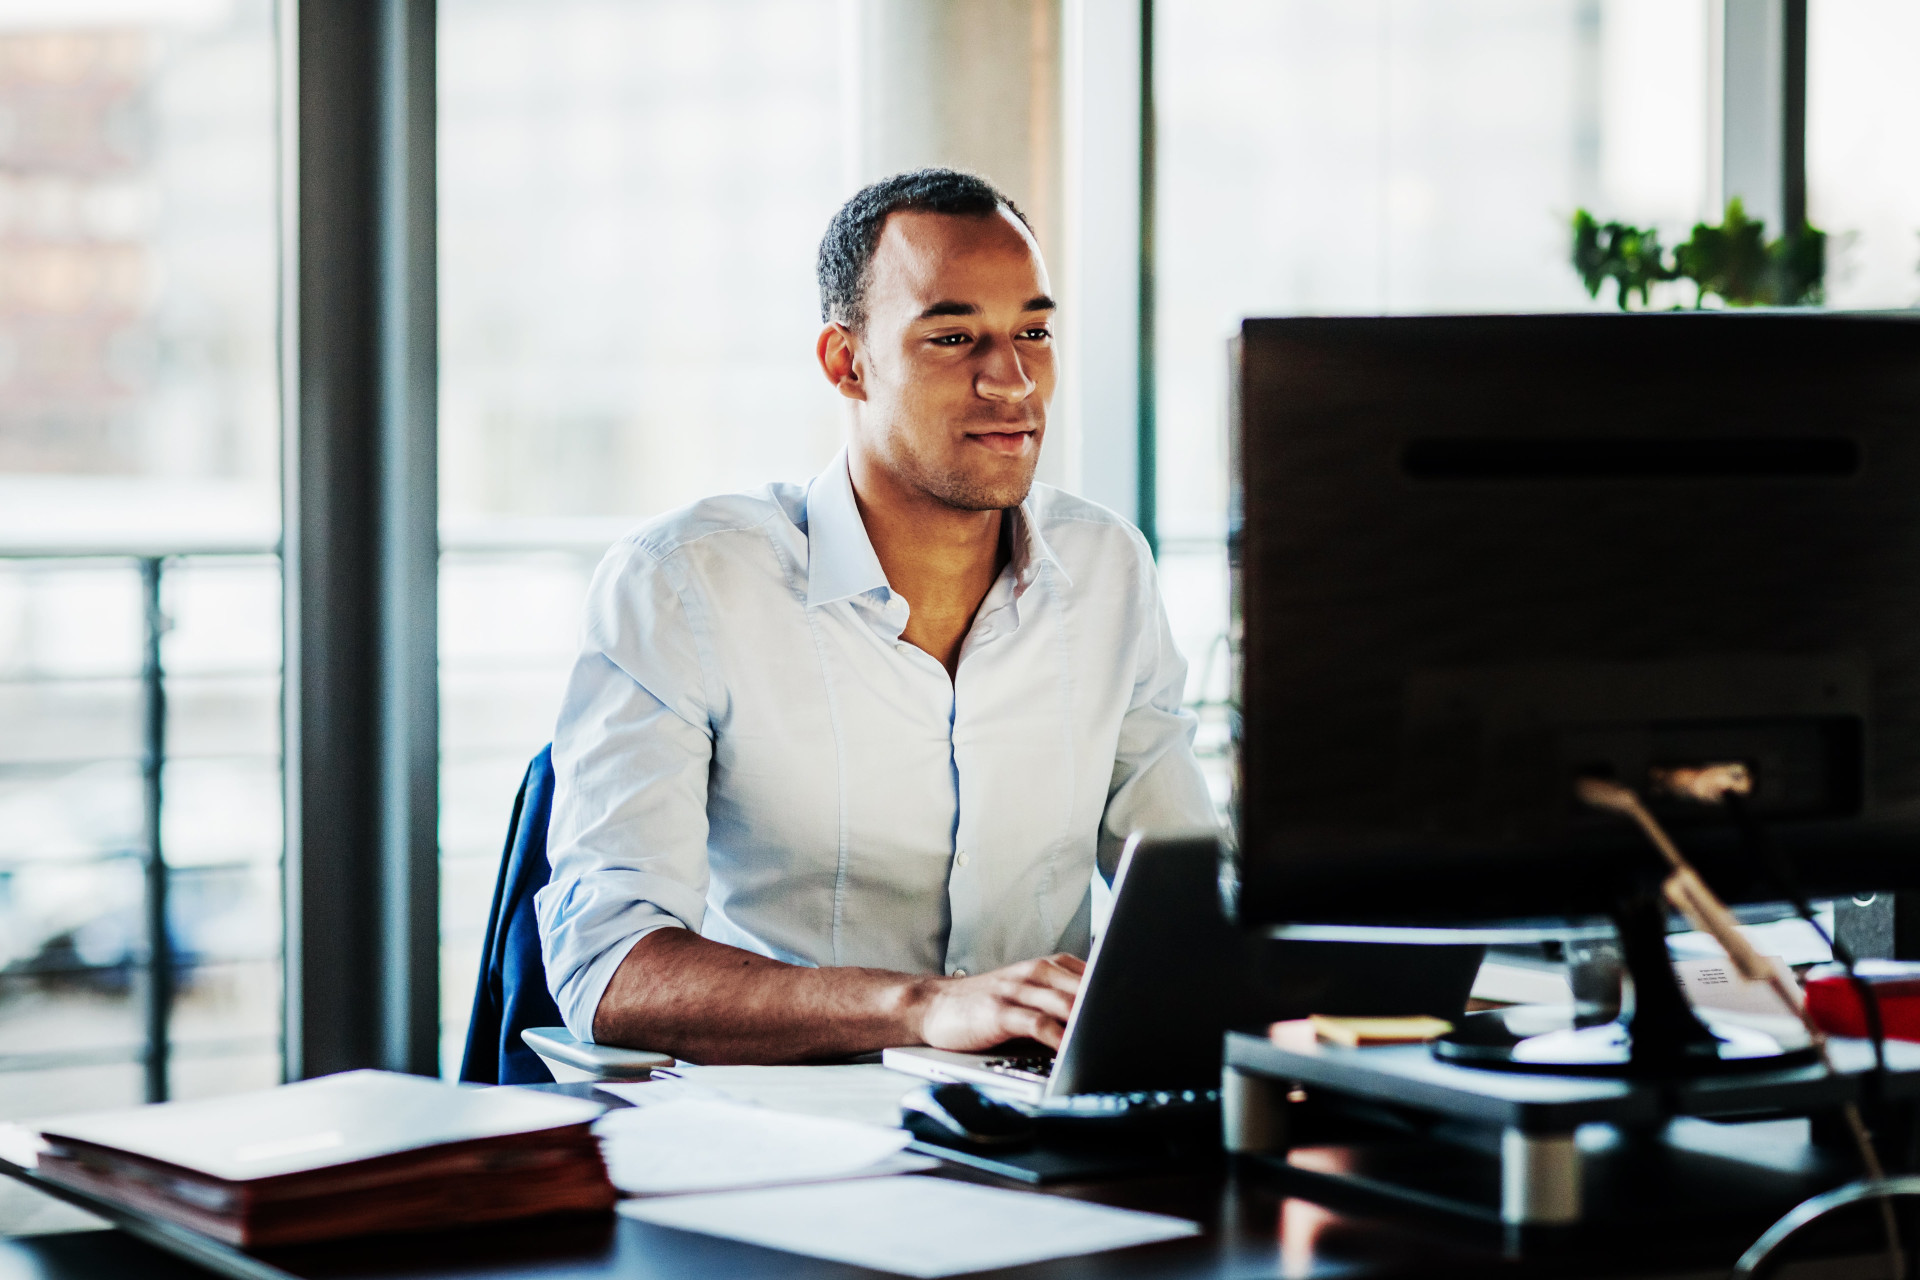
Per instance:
(1253,1227)
(1253,1230)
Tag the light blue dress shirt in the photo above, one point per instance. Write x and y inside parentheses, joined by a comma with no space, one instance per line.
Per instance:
(748,749)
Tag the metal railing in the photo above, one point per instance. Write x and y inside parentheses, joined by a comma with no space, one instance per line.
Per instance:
(568,547)
(157,962)
(153,754)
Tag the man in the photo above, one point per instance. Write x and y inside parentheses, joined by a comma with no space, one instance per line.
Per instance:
(837,763)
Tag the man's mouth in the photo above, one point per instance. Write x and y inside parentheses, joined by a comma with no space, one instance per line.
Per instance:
(1008,442)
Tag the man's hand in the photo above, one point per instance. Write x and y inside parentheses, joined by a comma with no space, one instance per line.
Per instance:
(679,993)
(1030,999)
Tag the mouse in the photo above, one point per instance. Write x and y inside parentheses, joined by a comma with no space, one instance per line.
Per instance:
(959,1115)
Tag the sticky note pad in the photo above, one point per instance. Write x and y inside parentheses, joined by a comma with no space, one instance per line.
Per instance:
(1356,1033)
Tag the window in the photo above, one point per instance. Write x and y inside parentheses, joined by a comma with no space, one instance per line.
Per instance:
(138,454)
(1863,131)
(1328,156)
(630,200)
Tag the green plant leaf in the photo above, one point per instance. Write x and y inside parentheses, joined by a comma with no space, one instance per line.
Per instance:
(1629,256)
(1734,261)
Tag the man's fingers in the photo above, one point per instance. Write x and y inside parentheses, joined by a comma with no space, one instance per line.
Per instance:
(1052,973)
(1020,1020)
(1048,1000)
(1031,999)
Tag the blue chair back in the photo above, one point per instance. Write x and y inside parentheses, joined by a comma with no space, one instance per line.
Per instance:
(511,994)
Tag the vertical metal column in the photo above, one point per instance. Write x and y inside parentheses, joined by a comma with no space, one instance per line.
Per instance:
(331,527)
(1147,510)
(1793,117)
(1101,352)
(159,976)
(409,542)
(1763,84)
(362,894)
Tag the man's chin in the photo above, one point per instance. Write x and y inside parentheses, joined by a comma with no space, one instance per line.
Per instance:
(969,478)
(973,491)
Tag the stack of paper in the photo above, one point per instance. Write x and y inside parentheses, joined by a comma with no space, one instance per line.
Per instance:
(863,1093)
(349,1154)
(694,1144)
(793,1152)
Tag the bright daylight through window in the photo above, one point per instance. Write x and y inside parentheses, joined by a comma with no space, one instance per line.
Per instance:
(630,195)
(139,483)
(1425,156)
(630,199)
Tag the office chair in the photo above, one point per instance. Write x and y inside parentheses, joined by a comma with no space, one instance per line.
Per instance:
(515,1036)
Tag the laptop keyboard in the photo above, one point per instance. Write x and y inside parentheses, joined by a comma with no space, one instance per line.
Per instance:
(1038,1067)
(1130,1105)
(1035,1067)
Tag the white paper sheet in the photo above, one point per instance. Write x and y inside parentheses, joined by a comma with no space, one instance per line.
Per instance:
(913,1226)
(1712,982)
(1793,940)
(693,1144)
(866,1093)
(20,1145)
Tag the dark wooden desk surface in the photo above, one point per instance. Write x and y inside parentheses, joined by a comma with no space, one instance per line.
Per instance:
(1253,1228)
(1255,1223)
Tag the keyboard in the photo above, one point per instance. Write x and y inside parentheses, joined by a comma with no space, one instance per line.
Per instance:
(1035,1067)
(1138,1105)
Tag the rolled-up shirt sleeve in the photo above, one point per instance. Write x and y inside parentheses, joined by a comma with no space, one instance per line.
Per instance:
(1157,785)
(631,753)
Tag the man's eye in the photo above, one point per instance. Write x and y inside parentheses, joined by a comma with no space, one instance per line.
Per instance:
(1038,334)
(950,339)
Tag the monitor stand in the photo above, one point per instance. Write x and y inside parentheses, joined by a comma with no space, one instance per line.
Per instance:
(1662,1035)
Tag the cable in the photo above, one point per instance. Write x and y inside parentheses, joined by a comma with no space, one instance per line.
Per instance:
(1759,843)
(1703,909)
(1781,866)
(1807,1211)
(1728,785)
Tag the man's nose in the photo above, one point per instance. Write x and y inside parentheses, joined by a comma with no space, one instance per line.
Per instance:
(1002,374)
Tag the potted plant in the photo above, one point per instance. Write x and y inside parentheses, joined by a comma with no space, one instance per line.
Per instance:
(1733,262)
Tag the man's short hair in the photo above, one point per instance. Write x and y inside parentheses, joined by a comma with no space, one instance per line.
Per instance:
(846,251)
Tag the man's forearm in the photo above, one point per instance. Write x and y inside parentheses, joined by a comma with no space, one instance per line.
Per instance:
(679,993)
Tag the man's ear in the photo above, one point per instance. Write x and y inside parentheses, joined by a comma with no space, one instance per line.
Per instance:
(839,354)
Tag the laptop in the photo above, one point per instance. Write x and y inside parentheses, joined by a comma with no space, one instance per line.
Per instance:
(1154,1001)
(1171,974)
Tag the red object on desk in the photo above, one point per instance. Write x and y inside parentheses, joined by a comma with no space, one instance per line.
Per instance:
(1835,1004)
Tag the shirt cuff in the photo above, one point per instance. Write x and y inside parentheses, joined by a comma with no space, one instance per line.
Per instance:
(579,996)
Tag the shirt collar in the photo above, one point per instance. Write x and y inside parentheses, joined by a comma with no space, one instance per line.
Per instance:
(840,559)
(1031,549)
(841,562)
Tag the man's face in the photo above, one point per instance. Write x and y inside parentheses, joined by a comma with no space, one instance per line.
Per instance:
(956,363)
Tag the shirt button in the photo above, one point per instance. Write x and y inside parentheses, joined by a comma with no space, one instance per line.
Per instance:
(902,645)
(959,973)
(960,858)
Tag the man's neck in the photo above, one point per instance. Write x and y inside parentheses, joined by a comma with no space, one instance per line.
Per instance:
(942,559)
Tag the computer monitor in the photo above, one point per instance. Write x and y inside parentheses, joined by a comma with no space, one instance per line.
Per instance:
(1478,558)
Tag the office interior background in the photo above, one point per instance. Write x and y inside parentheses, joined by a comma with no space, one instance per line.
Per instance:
(629,195)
